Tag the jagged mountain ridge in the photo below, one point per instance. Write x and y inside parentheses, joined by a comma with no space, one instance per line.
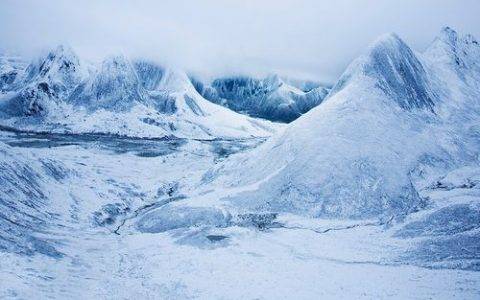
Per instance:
(61,92)
(269,98)
(44,81)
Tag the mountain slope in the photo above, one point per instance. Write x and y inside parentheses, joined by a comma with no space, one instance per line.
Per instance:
(11,67)
(359,154)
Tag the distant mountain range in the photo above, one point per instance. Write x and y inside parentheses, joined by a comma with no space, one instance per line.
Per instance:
(60,92)
(270,98)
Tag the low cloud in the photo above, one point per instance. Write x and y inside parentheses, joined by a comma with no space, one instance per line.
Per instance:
(311,39)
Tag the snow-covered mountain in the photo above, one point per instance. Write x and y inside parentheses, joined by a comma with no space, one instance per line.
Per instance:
(394,119)
(115,87)
(44,83)
(269,98)
(171,93)
(62,93)
(11,68)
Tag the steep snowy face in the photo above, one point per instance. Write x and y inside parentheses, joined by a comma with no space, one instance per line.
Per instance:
(115,87)
(175,81)
(461,54)
(269,98)
(11,68)
(356,154)
(396,71)
(46,82)
(455,61)
(149,73)
(61,70)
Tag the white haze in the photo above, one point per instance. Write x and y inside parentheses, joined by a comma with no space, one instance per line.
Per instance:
(303,39)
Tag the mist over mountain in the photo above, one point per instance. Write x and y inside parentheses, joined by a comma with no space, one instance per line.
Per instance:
(308,40)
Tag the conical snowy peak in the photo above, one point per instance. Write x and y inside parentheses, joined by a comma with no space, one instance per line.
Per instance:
(448,35)
(63,58)
(115,86)
(46,82)
(459,52)
(396,70)
(353,155)
(61,68)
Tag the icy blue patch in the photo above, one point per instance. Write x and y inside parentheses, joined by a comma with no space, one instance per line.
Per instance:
(173,217)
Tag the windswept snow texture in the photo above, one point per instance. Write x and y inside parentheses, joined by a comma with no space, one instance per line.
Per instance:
(25,211)
(123,182)
(397,72)
(269,98)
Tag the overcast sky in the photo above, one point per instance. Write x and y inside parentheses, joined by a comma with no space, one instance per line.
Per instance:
(313,39)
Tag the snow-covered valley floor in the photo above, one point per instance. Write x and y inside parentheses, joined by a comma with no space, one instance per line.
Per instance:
(97,189)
